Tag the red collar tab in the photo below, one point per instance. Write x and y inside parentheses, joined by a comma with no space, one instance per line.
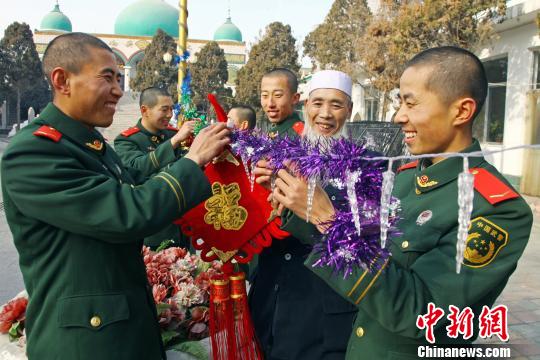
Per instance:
(490,187)
(410,165)
(48,132)
(130,131)
(298,127)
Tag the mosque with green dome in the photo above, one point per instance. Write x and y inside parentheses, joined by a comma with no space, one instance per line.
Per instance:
(133,31)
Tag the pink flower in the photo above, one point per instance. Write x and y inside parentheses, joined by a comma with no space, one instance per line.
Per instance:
(13,311)
(188,295)
(159,291)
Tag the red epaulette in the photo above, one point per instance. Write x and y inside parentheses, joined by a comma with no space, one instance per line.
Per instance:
(410,165)
(298,127)
(490,187)
(130,131)
(172,128)
(48,132)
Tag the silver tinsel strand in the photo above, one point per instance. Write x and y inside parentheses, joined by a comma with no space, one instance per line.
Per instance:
(386,195)
(465,202)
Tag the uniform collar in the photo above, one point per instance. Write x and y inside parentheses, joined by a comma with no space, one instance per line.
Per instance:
(286,124)
(429,177)
(88,138)
(154,137)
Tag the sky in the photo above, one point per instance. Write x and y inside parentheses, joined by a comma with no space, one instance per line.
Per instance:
(205,16)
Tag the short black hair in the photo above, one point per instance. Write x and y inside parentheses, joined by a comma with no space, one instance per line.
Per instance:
(292,80)
(246,112)
(456,73)
(70,51)
(149,96)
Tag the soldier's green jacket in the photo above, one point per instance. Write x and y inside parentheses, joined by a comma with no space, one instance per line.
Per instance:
(78,218)
(422,268)
(148,152)
(286,127)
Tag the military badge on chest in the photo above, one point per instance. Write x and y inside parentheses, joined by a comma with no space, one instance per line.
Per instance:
(424,217)
(484,242)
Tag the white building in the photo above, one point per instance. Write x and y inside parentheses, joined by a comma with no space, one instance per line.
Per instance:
(510,116)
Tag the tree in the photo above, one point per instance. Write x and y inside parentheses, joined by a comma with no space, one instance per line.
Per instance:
(401,29)
(152,69)
(332,43)
(24,79)
(209,75)
(5,65)
(277,48)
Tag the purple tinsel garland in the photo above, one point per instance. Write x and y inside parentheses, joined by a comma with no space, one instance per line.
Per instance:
(342,248)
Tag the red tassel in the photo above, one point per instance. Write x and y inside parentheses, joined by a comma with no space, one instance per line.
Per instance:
(222,345)
(247,345)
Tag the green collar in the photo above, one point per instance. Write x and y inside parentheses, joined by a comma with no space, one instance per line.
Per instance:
(445,171)
(154,137)
(73,129)
(284,125)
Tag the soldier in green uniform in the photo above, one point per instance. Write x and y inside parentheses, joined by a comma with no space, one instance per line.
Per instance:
(296,314)
(78,216)
(441,92)
(243,117)
(152,145)
(279,96)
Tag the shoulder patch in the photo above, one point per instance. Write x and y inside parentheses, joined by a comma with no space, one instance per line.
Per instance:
(48,132)
(490,187)
(172,128)
(410,165)
(130,131)
(298,127)
(484,242)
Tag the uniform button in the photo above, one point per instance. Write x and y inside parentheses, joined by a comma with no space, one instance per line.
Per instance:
(359,331)
(288,256)
(95,321)
(405,244)
(333,198)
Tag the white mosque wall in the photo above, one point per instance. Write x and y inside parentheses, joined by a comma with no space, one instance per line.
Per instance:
(517,39)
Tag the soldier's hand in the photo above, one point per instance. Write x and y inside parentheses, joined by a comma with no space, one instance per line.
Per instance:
(209,143)
(263,173)
(183,134)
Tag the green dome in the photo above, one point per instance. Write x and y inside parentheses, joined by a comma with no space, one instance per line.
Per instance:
(56,20)
(228,32)
(144,17)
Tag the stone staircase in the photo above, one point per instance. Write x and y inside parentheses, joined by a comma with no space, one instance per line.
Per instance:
(127,114)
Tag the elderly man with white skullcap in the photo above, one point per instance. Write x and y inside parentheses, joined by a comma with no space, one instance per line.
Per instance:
(296,314)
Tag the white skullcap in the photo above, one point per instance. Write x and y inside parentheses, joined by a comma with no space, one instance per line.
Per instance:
(331,79)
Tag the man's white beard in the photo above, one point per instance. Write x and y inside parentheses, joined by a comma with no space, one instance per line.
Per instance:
(313,137)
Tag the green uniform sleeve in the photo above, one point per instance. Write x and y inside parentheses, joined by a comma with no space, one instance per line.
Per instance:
(304,231)
(51,184)
(396,294)
(147,162)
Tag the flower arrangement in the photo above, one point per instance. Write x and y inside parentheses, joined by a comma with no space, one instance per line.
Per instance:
(12,318)
(180,286)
